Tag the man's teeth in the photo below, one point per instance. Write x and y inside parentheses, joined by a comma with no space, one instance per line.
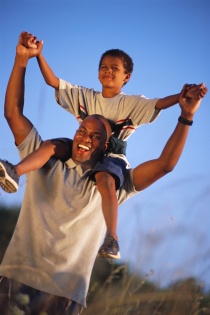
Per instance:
(83,147)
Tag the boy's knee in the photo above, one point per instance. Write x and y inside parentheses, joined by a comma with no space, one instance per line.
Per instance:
(48,144)
(104,179)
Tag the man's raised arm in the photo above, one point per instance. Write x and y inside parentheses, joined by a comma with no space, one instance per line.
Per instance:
(14,99)
(147,173)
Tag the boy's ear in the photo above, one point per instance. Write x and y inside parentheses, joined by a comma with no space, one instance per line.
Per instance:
(127,77)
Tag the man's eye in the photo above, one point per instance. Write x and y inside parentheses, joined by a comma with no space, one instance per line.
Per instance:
(81,131)
(96,137)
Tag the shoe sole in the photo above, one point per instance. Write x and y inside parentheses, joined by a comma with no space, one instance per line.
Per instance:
(105,255)
(6,182)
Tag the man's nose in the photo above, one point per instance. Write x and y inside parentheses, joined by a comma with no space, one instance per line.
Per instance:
(87,138)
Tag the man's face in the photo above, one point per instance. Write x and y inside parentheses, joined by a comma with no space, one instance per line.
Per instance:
(89,142)
(112,73)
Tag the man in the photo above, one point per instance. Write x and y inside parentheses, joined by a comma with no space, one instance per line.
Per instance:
(61,225)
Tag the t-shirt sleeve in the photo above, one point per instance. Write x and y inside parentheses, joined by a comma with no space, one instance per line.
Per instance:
(31,143)
(143,110)
(69,97)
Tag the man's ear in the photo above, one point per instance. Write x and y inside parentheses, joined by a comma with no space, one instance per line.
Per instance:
(106,146)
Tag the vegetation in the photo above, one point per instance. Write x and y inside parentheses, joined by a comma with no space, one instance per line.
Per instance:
(8,219)
(114,290)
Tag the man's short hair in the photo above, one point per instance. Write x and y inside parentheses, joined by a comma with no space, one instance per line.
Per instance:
(105,122)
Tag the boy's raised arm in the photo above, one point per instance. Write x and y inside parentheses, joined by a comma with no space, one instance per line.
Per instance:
(193,91)
(47,72)
(167,101)
(30,41)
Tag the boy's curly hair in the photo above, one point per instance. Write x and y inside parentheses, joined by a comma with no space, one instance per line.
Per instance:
(126,59)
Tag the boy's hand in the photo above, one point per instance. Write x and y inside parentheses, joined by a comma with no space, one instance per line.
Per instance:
(28,40)
(195,91)
(189,105)
(28,45)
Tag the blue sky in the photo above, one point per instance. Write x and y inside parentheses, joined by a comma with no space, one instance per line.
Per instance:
(165,228)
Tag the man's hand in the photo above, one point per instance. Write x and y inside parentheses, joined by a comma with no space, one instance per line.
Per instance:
(195,91)
(189,105)
(28,45)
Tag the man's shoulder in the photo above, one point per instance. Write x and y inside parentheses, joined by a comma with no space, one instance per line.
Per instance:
(30,143)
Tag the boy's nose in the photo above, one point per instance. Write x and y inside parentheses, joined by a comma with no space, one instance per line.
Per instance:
(108,69)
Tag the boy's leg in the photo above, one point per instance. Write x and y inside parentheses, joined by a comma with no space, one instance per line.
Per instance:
(106,186)
(9,174)
(37,158)
(9,179)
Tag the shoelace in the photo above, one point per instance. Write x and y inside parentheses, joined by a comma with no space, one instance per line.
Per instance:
(109,240)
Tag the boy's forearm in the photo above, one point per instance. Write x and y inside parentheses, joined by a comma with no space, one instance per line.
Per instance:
(167,101)
(47,72)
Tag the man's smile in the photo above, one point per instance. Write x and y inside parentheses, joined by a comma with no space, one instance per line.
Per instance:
(83,147)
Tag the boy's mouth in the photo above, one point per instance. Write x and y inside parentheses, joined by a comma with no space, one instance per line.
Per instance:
(107,76)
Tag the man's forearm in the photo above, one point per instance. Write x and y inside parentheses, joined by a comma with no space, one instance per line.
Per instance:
(14,101)
(174,147)
(14,98)
(149,172)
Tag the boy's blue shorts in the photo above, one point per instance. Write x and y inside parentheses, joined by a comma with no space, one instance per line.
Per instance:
(114,166)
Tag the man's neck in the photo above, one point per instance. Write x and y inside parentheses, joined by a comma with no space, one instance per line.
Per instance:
(84,167)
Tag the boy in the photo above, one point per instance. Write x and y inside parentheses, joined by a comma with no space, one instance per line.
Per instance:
(125,114)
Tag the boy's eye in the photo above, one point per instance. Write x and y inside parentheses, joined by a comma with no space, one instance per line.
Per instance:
(105,67)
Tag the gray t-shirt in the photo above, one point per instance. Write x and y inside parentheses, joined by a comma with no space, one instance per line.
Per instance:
(124,112)
(60,227)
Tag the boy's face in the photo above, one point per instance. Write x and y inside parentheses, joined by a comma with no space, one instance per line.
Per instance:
(112,73)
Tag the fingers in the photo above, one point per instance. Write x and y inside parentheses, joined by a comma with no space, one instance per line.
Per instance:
(189,86)
(40,45)
(202,91)
(28,40)
(195,91)
(184,90)
(29,45)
